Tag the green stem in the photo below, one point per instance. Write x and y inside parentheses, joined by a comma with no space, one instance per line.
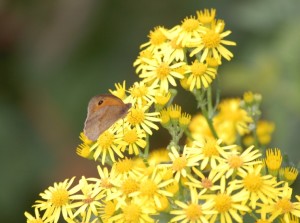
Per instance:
(176,133)
(108,161)
(146,151)
(209,103)
(256,142)
(253,215)
(238,139)
(208,112)
(218,95)
(144,156)
(209,121)
(173,95)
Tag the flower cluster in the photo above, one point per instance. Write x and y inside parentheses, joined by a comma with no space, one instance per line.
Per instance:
(222,172)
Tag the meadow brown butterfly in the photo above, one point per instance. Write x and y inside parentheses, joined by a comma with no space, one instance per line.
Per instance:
(103,111)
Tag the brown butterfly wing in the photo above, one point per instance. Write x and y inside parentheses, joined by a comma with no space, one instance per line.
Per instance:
(93,124)
(99,120)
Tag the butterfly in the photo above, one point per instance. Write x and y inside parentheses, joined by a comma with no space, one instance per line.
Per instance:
(103,111)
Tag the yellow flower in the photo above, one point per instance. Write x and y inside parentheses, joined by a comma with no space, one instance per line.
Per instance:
(174,112)
(285,206)
(126,167)
(129,186)
(200,75)
(273,161)
(107,210)
(260,187)
(189,31)
(248,97)
(213,62)
(90,198)
(141,119)
(132,139)
(212,41)
(231,120)
(179,163)
(173,187)
(264,131)
(158,156)
(230,110)
(106,179)
(175,50)
(59,199)
(184,120)
(107,144)
(161,71)
(184,84)
(83,150)
(265,217)
(288,174)
(134,210)
(208,151)
(141,94)
(164,204)
(192,211)
(235,163)
(152,188)
(291,219)
(157,38)
(36,218)
(199,127)
(165,117)
(162,98)
(120,91)
(85,140)
(124,187)
(206,183)
(142,59)
(206,17)
(228,205)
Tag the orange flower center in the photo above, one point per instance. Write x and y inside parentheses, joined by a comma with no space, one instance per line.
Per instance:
(206,183)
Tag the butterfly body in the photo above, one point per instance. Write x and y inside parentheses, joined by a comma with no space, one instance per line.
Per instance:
(103,111)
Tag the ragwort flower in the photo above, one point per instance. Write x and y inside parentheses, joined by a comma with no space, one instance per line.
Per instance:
(200,75)
(193,211)
(59,199)
(36,218)
(132,139)
(229,205)
(212,41)
(234,163)
(179,163)
(208,151)
(140,118)
(90,199)
(161,71)
(153,187)
(107,144)
(262,188)
(134,210)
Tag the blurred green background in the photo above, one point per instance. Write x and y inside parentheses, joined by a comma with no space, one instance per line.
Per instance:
(56,54)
